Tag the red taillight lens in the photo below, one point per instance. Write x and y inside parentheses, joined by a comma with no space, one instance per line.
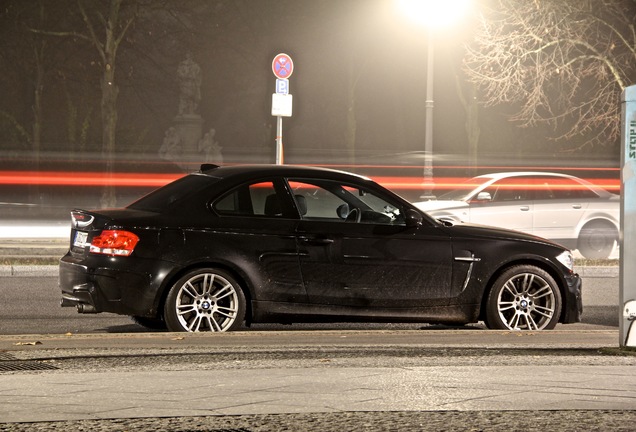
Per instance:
(114,242)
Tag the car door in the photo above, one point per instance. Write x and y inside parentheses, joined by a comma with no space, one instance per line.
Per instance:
(255,230)
(506,203)
(355,250)
(559,205)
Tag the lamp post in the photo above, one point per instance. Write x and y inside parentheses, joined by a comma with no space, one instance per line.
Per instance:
(433,14)
(428,133)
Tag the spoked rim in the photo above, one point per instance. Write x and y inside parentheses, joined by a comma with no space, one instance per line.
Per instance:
(526,302)
(207,302)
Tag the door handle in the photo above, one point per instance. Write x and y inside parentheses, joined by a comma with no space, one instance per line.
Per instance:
(576,206)
(524,208)
(317,241)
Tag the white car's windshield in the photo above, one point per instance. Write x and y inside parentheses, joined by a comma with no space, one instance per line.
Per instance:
(463,189)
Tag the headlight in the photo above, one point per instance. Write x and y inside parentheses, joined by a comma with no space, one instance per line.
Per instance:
(566,259)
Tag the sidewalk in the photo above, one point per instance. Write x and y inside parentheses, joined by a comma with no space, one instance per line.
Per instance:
(316,375)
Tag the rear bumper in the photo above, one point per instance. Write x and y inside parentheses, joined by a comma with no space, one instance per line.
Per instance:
(94,289)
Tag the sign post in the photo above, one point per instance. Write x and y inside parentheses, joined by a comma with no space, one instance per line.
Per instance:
(283,67)
(627,271)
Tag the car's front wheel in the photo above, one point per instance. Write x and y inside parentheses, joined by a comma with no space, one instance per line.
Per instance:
(205,300)
(524,297)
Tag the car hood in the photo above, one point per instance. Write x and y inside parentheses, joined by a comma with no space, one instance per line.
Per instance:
(439,205)
(486,231)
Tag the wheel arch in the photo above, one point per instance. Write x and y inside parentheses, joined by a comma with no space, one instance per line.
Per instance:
(543,265)
(240,277)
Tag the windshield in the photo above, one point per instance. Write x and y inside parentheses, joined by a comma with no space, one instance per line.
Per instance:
(463,189)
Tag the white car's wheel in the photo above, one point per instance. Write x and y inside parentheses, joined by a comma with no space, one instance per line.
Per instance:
(597,240)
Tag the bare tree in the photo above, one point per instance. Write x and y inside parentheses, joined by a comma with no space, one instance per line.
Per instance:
(559,62)
(105,30)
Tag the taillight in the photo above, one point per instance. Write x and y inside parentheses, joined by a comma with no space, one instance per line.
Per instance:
(114,242)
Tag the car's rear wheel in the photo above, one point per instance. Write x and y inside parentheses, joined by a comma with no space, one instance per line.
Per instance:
(597,239)
(524,297)
(205,300)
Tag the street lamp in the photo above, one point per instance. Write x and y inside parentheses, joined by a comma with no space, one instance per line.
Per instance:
(433,14)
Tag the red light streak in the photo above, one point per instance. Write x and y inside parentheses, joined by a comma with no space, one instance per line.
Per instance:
(154,180)
(57,178)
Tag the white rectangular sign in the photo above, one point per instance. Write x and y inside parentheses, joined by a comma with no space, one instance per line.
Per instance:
(282,105)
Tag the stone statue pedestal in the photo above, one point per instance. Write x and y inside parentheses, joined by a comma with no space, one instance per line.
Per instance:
(190,129)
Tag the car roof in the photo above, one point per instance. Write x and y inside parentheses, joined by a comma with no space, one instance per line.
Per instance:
(501,175)
(263,170)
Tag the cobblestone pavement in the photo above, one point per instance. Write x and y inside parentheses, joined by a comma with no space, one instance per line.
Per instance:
(565,421)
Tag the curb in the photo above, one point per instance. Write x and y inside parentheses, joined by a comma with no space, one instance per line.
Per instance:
(29,270)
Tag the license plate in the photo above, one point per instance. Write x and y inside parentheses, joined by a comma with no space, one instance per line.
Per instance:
(80,239)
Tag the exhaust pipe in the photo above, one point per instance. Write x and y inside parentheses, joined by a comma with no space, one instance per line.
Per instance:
(84,308)
(67,303)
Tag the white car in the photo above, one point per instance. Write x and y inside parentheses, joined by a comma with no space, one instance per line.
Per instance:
(563,208)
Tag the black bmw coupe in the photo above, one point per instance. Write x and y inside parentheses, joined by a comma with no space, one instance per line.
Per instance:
(225,247)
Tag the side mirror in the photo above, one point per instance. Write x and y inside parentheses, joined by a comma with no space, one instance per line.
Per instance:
(484,196)
(412,218)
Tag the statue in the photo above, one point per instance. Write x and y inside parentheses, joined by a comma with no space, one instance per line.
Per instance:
(210,148)
(189,77)
(171,148)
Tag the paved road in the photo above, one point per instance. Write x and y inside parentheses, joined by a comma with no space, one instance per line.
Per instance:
(31,306)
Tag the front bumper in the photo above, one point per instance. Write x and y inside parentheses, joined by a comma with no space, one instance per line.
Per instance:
(573,299)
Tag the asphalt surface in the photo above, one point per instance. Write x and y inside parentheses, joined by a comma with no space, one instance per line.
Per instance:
(335,380)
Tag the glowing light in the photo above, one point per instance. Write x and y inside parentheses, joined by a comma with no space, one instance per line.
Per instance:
(434,13)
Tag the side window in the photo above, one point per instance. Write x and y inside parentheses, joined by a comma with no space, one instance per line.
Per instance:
(256,199)
(330,200)
(565,188)
(317,201)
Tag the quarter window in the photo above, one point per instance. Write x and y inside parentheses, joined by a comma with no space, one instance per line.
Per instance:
(256,199)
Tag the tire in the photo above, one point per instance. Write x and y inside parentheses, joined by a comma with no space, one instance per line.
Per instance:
(150,323)
(524,297)
(205,300)
(596,240)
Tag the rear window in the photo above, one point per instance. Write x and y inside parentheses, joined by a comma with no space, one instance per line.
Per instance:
(166,196)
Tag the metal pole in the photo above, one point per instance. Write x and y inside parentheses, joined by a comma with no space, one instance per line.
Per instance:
(279,140)
(627,271)
(428,137)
